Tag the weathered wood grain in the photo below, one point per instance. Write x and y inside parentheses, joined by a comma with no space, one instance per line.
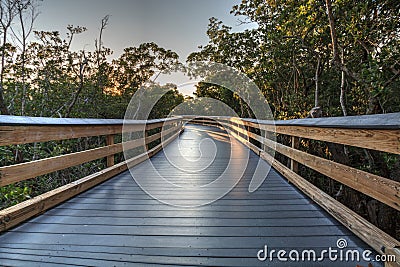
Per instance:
(17,134)
(13,135)
(385,140)
(16,214)
(109,142)
(294,166)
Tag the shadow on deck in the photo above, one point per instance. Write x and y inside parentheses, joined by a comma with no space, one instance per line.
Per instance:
(118,224)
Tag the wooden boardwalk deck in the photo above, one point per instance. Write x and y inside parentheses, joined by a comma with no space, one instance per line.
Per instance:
(117,224)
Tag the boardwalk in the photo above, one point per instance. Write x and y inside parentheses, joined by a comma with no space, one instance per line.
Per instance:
(117,224)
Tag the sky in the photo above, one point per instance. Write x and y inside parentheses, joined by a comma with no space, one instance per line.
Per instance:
(179,25)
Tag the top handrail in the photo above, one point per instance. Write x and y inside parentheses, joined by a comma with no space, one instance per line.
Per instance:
(9,120)
(389,121)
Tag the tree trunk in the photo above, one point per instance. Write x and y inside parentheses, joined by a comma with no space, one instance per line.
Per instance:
(3,106)
(316,96)
(342,90)
(332,30)
(24,36)
(335,46)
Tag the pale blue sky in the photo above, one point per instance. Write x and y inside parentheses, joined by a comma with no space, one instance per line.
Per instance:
(179,25)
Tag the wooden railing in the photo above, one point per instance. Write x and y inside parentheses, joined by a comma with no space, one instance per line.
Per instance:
(377,132)
(24,130)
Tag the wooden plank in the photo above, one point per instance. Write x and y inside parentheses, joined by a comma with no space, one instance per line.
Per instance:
(381,140)
(70,258)
(13,135)
(392,251)
(294,166)
(109,142)
(41,121)
(147,142)
(223,209)
(180,242)
(205,122)
(161,123)
(16,214)
(178,251)
(153,137)
(375,121)
(167,230)
(239,130)
(147,221)
(23,171)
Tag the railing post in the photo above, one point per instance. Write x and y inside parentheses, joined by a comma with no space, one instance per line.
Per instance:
(294,166)
(263,134)
(146,135)
(109,142)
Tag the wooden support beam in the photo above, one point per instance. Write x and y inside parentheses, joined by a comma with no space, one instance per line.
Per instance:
(23,171)
(13,135)
(381,140)
(16,134)
(146,138)
(294,165)
(109,142)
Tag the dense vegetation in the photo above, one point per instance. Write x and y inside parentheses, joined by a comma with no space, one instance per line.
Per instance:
(342,56)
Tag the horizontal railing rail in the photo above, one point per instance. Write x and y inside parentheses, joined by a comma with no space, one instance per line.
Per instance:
(24,130)
(377,132)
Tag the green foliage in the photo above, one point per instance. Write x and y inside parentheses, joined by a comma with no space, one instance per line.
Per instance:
(281,55)
(12,194)
(66,83)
